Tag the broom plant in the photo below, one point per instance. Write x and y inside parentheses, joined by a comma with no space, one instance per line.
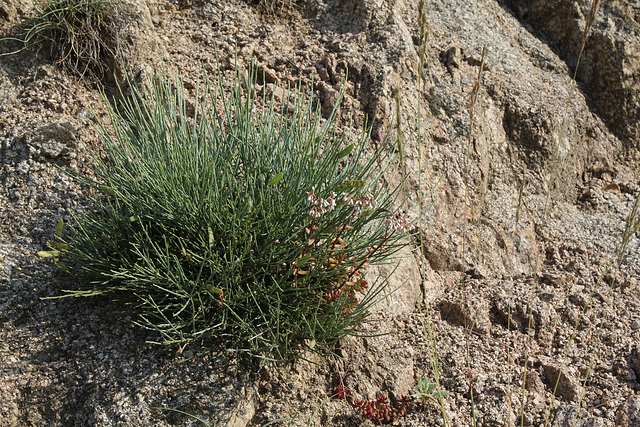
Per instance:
(234,219)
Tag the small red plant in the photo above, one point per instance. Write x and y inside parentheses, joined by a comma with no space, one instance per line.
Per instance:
(341,391)
(380,410)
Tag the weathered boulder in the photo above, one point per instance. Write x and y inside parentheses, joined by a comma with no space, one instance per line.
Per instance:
(609,70)
(143,52)
(531,126)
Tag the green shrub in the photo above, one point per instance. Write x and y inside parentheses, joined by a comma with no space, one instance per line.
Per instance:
(235,221)
(81,35)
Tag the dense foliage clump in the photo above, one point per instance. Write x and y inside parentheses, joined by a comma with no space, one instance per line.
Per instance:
(84,36)
(233,219)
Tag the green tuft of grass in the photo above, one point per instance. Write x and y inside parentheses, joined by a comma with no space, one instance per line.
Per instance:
(83,36)
(235,220)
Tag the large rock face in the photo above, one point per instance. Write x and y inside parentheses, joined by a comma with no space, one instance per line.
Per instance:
(532,127)
(609,71)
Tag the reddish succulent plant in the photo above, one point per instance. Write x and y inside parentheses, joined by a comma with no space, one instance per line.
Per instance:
(380,410)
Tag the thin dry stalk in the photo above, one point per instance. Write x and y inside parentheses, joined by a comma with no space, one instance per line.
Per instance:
(472,104)
(589,22)
(426,320)
(510,299)
(400,143)
(424,37)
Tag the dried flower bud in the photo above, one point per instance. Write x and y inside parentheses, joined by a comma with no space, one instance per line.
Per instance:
(398,222)
(320,206)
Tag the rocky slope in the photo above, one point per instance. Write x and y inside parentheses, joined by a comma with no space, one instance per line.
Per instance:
(82,363)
